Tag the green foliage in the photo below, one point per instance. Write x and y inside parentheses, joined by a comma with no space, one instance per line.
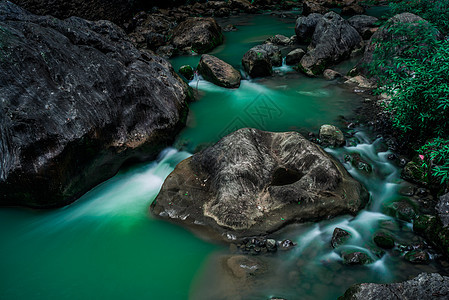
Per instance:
(434,11)
(434,157)
(413,69)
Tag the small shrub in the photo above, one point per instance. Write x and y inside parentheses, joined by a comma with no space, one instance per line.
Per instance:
(434,156)
(434,11)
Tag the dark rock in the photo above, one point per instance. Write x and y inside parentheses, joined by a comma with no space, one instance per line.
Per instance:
(417,257)
(339,237)
(356,258)
(197,34)
(424,286)
(352,10)
(223,12)
(151,30)
(112,10)
(279,39)
(257,245)
(305,27)
(331,74)
(331,136)
(166,51)
(229,27)
(294,56)
(254,182)
(443,209)
(402,210)
(310,7)
(333,40)
(387,33)
(187,72)
(286,245)
(413,172)
(408,190)
(433,230)
(78,100)
(364,25)
(383,240)
(218,72)
(259,60)
(359,163)
(243,5)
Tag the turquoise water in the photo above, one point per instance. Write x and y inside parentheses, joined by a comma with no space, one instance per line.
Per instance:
(104,246)
(107,246)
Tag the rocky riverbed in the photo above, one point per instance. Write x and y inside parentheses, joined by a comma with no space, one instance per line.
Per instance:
(81,99)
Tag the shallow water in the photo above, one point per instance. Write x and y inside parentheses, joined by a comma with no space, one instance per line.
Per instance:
(107,246)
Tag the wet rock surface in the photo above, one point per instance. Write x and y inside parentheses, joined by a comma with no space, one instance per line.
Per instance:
(333,40)
(218,72)
(78,100)
(331,136)
(305,27)
(294,56)
(339,237)
(259,60)
(424,286)
(254,182)
(112,10)
(197,34)
(356,258)
(364,25)
(442,209)
(383,240)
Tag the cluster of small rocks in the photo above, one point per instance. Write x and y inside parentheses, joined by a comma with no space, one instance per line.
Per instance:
(261,245)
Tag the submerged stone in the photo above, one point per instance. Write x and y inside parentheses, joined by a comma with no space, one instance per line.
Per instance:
(383,240)
(254,182)
(353,257)
(417,257)
(339,237)
(402,210)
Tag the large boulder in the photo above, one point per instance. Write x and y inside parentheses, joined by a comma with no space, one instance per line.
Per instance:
(218,72)
(333,40)
(365,25)
(389,33)
(305,27)
(254,182)
(112,10)
(424,286)
(197,34)
(259,60)
(77,101)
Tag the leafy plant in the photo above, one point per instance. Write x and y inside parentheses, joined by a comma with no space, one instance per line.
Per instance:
(434,156)
(434,11)
(413,69)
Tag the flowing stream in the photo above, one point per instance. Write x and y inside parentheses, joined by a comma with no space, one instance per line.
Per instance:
(106,246)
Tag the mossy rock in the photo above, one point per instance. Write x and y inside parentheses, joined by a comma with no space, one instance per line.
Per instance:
(417,257)
(187,72)
(383,240)
(402,210)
